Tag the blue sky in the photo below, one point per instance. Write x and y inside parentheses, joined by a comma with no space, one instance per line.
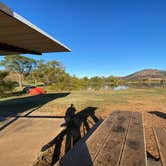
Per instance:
(107,37)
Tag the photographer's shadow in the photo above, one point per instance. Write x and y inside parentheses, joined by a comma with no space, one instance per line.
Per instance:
(77,125)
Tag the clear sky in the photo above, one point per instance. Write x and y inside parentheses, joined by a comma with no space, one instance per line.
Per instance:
(107,37)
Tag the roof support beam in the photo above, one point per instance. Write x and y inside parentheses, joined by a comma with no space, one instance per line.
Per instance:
(6,47)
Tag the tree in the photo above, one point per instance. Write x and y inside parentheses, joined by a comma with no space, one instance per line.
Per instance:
(6,85)
(97,82)
(84,82)
(20,64)
(113,81)
(163,83)
(49,73)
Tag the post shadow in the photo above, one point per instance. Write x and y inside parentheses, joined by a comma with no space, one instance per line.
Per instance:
(73,131)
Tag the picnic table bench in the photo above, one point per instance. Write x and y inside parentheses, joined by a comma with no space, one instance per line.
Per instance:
(118,141)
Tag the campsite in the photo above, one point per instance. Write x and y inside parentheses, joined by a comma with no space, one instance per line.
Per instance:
(97,100)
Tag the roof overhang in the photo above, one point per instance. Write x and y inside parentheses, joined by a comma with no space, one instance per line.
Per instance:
(19,36)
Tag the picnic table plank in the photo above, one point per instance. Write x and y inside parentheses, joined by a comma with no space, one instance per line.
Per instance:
(111,151)
(134,149)
(97,140)
(160,134)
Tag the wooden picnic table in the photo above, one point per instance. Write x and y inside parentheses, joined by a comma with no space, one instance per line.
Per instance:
(119,140)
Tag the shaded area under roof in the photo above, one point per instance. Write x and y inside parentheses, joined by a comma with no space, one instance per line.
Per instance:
(17,35)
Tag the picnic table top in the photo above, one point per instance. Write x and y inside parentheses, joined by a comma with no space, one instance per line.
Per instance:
(119,140)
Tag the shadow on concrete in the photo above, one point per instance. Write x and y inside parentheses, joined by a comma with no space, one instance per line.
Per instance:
(79,127)
(24,106)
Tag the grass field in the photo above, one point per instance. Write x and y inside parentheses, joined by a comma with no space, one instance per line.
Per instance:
(152,102)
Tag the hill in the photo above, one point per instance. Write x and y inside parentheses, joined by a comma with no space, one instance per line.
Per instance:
(150,74)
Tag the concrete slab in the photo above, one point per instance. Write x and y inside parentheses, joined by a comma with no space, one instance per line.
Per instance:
(22,140)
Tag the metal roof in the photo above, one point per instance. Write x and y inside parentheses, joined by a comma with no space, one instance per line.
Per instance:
(17,35)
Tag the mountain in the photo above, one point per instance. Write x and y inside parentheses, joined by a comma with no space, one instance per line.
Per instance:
(150,74)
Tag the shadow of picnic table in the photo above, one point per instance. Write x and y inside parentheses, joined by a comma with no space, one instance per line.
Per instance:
(74,130)
(159,114)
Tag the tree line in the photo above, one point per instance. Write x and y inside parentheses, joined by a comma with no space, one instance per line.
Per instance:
(50,73)
(53,75)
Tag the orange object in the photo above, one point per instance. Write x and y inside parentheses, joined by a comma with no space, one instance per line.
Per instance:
(36,91)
